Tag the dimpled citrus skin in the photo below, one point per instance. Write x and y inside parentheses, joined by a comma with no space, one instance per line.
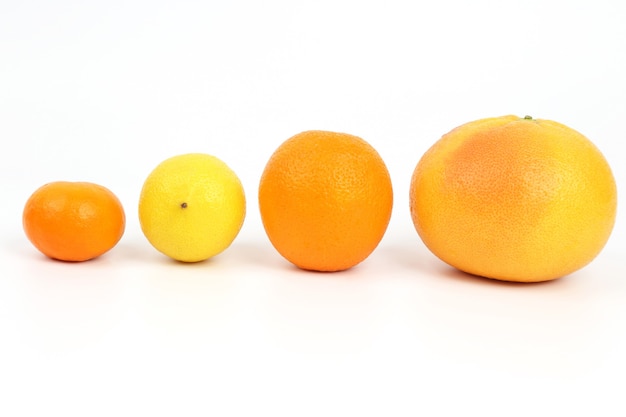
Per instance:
(73,221)
(514,199)
(325,200)
(191,207)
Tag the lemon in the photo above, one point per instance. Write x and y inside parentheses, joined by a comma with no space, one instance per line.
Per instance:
(191,207)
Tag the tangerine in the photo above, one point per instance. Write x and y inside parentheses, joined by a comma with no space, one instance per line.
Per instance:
(325,200)
(73,221)
(516,199)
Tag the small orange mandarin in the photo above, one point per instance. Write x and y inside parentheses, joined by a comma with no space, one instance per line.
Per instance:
(325,200)
(73,221)
(514,199)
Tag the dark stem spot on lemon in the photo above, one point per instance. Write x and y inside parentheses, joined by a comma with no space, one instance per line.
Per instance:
(183,205)
(527,117)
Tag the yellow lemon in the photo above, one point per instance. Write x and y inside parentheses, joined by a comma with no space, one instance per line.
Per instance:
(192,207)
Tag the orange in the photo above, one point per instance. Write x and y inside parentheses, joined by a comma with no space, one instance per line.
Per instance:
(325,200)
(73,221)
(514,199)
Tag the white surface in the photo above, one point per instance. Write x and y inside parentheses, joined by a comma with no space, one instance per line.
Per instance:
(103,91)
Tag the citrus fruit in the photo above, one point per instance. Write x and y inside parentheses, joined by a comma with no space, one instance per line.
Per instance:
(325,200)
(191,207)
(73,221)
(515,199)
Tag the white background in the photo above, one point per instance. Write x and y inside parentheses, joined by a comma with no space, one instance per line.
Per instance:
(103,91)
